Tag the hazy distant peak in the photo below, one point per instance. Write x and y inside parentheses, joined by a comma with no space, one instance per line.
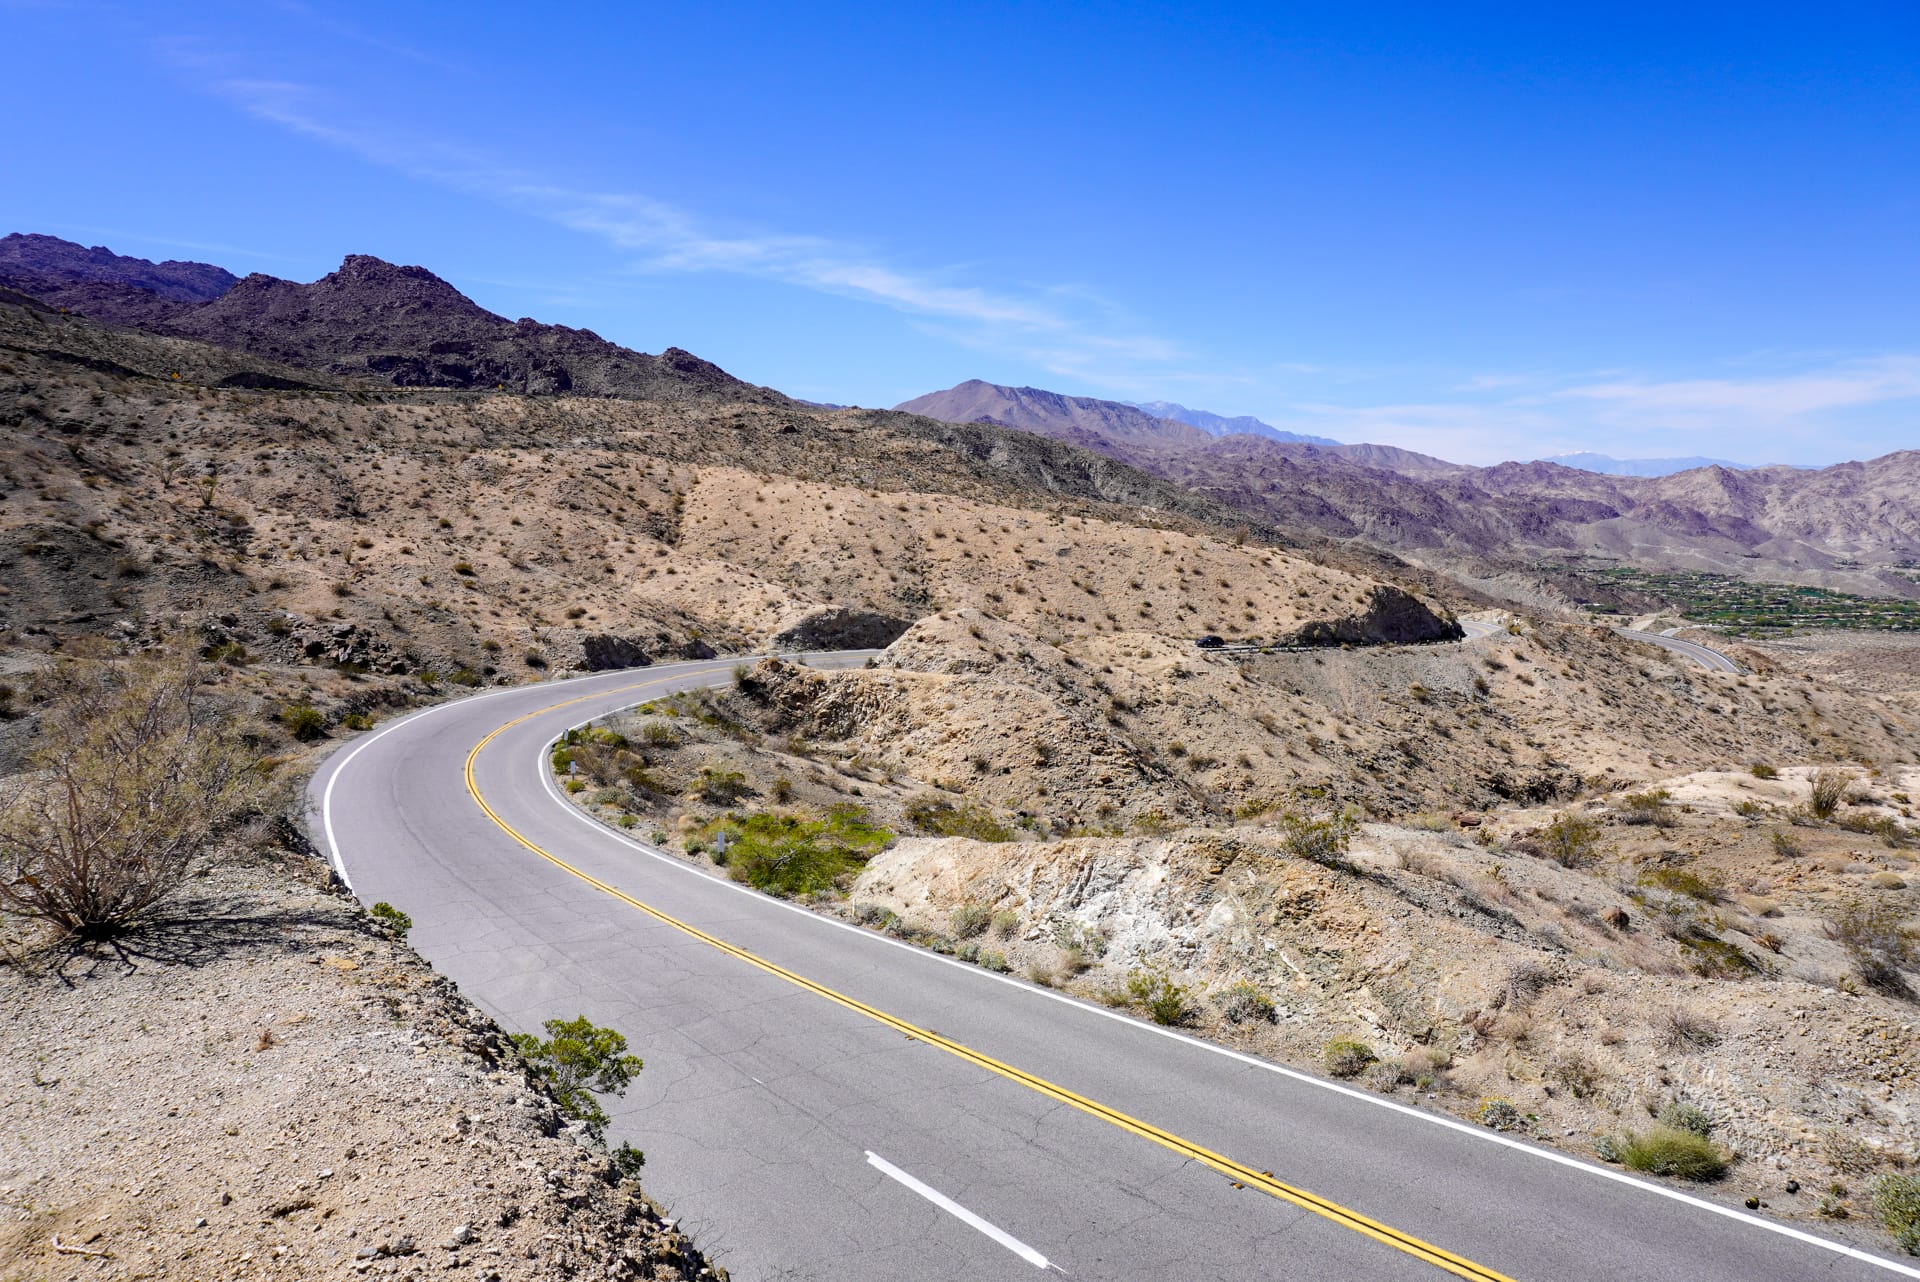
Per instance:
(1221,425)
(1608,466)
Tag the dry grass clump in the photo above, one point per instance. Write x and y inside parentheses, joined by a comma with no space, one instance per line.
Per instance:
(1682,1029)
(1668,1150)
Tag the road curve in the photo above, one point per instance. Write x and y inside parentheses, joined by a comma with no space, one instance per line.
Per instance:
(823,1102)
(1705,656)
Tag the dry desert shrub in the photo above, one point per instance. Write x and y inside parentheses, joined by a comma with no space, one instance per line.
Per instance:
(1683,1029)
(1828,792)
(131,780)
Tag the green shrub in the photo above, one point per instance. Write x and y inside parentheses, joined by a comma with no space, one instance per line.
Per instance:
(304,722)
(1570,840)
(1501,1115)
(392,918)
(719,787)
(1005,924)
(1896,1198)
(1683,881)
(576,785)
(939,817)
(1164,1001)
(659,734)
(1242,1003)
(1324,841)
(579,1061)
(970,920)
(1348,1056)
(1667,1150)
(628,1160)
(356,721)
(790,855)
(995,962)
(1761,770)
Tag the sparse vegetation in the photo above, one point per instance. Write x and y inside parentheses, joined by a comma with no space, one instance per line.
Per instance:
(938,817)
(1648,807)
(1683,1029)
(1878,943)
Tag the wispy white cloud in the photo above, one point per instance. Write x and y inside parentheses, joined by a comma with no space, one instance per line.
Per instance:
(1048,326)
(1854,383)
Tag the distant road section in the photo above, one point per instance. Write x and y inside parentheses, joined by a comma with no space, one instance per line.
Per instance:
(1705,656)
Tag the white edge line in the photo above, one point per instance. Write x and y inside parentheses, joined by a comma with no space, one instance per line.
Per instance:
(1432,1119)
(958,1211)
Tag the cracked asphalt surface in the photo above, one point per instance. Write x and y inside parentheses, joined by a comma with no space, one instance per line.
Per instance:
(760,1099)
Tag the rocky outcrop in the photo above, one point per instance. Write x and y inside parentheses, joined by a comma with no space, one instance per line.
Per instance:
(602,653)
(1392,617)
(839,628)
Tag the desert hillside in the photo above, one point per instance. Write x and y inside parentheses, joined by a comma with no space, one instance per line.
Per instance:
(1847,526)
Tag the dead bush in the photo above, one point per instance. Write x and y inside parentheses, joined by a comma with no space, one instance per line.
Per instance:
(133,775)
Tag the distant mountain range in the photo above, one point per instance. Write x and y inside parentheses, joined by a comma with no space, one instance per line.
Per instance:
(1609,466)
(1798,524)
(372,322)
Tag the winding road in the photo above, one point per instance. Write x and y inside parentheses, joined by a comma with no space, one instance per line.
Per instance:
(820,1101)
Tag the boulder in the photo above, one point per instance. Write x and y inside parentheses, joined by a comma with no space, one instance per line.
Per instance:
(602,653)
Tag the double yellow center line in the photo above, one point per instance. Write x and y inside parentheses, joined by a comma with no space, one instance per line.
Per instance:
(1263,1181)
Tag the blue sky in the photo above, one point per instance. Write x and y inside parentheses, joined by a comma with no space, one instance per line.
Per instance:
(1482,232)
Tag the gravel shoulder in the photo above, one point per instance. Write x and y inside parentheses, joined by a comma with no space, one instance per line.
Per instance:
(267,1084)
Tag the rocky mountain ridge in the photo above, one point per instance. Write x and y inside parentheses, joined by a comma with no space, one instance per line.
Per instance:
(369,319)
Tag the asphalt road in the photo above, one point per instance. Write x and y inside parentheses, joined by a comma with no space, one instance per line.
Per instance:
(822,1102)
(1705,656)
